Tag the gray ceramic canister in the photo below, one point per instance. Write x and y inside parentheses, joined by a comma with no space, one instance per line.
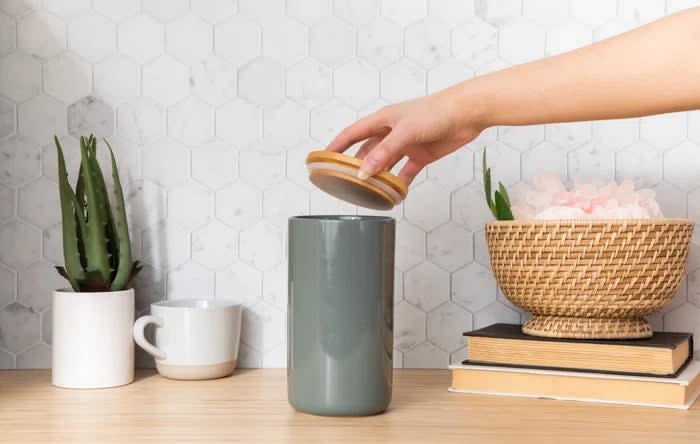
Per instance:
(340,314)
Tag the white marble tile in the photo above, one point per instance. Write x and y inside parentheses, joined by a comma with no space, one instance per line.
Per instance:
(191,121)
(425,355)
(446,325)
(92,36)
(409,326)
(189,39)
(20,76)
(19,327)
(41,34)
(261,82)
(450,246)
(239,283)
(331,41)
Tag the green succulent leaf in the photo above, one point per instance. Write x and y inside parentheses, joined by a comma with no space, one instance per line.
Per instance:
(503,211)
(504,193)
(487,183)
(73,267)
(96,241)
(125,267)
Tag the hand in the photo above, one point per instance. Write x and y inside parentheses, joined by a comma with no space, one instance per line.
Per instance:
(423,129)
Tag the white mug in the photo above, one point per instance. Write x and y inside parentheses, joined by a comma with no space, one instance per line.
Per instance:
(194,339)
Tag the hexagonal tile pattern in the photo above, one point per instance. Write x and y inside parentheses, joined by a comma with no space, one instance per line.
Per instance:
(189,39)
(309,83)
(262,169)
(684,318)
(409,326)
(36,283)
(190,280)
(284,40)
(67,9)
(402,80)
(283,201)
(8,286)
(331,41)
(427,42)
(452,172)
(21,161)
(450,246)
(141,121)
(445,325)
(261,82)
(495,312)
(165,10)
(213,11)
(511,39)
(243,90)
(664,131)
(275,286)
(38,356)
(475,42)
(679,164)
(426,286)
(8,119)
(40,118)
(447,74)
(90,115)
(451,11)
(426,355)
(214,245)
(429,206)
(248,123)
(521,138)
(640,163)
(356,83)
(8,34)
(191,121)
(165,245)
(20,76)
(593,12)
(214,164)
(543,157)
(165,80)
(189,204)
(92,36)
(238,40)
(116,79)
(38,204)
(261,245)
(41,34)
(566,37)
(238,205)
(410,245)
(178,162)
(473,287)
(141,38)
(19,327)
(329,119)
(590,162)
(7,203)
(380,42)
(239,283)
(286,125)
(213,80)
(116,11)
(263,327)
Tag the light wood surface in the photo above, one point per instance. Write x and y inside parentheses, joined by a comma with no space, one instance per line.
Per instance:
(251,406)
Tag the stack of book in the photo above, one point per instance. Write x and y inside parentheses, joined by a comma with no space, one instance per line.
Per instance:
(501,360)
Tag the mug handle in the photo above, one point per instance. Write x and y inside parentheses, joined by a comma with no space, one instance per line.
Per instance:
(140,338)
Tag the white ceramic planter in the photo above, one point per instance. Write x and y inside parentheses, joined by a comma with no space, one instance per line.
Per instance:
(92,340)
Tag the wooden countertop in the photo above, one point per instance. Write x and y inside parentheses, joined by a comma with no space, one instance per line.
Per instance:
(251,406)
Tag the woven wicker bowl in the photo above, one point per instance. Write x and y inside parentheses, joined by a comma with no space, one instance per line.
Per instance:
(589,279)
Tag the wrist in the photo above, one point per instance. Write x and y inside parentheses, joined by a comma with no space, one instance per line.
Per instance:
(471,106)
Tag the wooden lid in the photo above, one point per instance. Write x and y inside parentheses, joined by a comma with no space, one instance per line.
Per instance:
(336,174)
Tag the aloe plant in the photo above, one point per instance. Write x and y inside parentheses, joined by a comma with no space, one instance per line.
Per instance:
(499,204)
(96,246)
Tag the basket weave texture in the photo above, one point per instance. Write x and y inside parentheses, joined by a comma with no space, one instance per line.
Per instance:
(589,279)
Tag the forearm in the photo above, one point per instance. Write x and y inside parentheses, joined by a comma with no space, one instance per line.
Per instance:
(649,70)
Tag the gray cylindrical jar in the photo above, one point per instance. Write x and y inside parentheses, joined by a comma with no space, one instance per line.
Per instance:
(340,314)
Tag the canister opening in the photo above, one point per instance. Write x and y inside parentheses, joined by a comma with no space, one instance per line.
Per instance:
(344,218)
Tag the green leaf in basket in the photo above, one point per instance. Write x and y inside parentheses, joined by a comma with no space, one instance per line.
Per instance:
(502,208)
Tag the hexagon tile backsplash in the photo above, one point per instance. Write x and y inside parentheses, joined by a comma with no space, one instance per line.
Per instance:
(212,106)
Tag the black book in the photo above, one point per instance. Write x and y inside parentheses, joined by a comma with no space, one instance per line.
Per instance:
(664,354)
